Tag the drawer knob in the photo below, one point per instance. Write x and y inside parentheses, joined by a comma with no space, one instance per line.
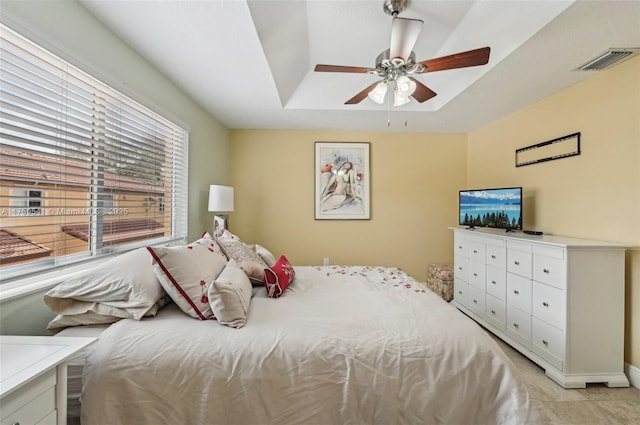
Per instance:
(493,312)
(460,292)
(493,256)
(544,303)
(459,247)
(545,271)
(545,342)
(475,252)
(515,325)
(515,291)
(475,301)
(475,274)
(493,281)
(517,263)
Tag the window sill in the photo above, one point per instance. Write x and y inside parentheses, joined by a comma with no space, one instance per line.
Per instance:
(44,280)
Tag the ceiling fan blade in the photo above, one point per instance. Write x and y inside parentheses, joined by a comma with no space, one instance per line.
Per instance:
(422,92)
(458,60)
(404,34)
(340,68)
(358,98)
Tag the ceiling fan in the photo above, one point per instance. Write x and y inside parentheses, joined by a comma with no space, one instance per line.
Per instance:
(398,63)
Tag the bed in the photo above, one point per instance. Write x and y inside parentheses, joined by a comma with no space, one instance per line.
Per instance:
(338,345)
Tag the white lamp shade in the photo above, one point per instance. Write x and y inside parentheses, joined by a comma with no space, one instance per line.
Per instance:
(220,198)
(378,92)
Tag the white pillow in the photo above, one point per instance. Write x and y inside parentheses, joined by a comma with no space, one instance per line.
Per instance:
(124,287)
(254,270)
(230,296)
(186,272)
(265,255)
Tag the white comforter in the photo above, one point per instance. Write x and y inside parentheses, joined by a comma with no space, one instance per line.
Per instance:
(343,345)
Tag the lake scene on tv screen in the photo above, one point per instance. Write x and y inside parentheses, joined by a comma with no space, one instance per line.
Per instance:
(501,208)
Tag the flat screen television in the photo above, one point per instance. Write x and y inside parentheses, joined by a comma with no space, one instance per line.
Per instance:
(498,208)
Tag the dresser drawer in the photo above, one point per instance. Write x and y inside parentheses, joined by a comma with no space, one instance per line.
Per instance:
(495,312)
(461,268)
(476,300)
(32,403)
(476,250)
(548,342)
(461,245)
(519,326)
(519,262)
(496,283)
(519,292)
(549,304)
(461,291)
(496,254)
(550,270)
(513,245)
(549,251)
(477,274)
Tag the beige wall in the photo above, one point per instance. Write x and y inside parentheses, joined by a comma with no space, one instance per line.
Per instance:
(415,180)
(595,195)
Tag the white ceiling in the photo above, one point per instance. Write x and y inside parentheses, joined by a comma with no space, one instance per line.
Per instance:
(250,63)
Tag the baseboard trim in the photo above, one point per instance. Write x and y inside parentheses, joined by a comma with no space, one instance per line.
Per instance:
(633,373)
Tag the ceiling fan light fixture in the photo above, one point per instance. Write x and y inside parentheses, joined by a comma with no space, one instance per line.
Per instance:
(378,93)
(405,86)
(399,100)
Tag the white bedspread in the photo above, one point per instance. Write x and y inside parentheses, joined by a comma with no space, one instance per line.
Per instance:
(343,345)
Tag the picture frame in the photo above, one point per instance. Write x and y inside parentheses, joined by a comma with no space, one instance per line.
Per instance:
(561,147)
(342,181)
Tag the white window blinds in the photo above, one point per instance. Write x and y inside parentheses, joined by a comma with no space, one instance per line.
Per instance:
(84,170)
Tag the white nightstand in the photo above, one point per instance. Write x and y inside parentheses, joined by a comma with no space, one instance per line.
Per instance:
(33,378)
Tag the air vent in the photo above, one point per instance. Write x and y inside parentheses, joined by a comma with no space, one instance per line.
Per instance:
(607,59)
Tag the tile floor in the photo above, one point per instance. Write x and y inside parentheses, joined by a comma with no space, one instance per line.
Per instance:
(595,405)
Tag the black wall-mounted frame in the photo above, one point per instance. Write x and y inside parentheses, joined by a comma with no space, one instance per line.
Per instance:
(562,147)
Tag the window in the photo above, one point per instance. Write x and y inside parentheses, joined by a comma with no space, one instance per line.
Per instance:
(34,202)
(25,202)
(80,164)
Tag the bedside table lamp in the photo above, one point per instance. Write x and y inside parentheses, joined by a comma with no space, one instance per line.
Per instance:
(220,202)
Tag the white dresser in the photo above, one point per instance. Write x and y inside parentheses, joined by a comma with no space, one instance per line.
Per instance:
(559,301)
(33,378)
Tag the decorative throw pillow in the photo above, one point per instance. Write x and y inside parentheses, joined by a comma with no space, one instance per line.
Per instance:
(265,255)
(239,251)
(278,277)
(230,296)
(254,270)
(186,272)
(124,287)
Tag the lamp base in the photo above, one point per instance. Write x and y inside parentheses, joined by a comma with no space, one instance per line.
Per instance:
(219,225)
